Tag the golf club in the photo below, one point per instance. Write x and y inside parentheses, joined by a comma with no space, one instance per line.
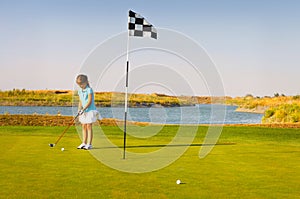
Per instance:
(63,133)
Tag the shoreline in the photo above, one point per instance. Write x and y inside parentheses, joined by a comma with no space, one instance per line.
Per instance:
(57,120)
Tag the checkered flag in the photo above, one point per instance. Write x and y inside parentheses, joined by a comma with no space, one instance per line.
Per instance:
(138,26)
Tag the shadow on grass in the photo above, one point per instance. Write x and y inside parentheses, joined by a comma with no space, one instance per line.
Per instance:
(166,145)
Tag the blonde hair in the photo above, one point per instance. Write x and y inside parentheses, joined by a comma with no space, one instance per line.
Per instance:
(82,79)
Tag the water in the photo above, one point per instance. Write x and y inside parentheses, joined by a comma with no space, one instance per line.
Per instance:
(200,114)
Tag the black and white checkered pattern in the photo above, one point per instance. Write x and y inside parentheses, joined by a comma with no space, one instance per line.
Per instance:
(138,26)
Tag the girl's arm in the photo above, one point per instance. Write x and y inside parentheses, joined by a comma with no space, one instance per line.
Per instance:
(79,106)
(90,98)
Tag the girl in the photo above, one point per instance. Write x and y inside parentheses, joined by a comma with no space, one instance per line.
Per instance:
(87,111)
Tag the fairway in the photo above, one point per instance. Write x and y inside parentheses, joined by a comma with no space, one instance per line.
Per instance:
(247,162)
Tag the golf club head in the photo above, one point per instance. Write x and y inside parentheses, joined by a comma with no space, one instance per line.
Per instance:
(51,145)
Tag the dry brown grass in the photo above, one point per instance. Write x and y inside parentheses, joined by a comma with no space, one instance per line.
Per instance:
(55,120)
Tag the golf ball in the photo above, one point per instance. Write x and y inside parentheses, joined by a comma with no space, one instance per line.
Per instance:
(62,149)
(178,181)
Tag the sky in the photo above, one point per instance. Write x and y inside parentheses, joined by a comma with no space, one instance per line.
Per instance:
(255,45)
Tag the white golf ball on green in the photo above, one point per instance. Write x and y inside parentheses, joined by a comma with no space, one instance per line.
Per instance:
(62,149)
(178,181)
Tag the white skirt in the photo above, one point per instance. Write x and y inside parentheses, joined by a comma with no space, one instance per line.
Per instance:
(89,117)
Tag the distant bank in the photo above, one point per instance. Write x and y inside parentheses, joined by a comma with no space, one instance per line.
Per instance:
(276,109)
(24,97)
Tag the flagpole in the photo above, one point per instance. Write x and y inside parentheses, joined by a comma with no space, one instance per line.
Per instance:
(126,97)
(133,20)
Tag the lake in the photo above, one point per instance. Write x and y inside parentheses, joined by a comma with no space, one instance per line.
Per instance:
(199,114)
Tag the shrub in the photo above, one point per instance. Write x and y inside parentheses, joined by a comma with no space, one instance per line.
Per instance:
(295,117)
(269,113)
(283,113)
(296,97)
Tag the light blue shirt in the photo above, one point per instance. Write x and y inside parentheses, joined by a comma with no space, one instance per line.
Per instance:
(84,96)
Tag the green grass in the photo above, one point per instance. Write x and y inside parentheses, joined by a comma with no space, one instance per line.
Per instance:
(248,162)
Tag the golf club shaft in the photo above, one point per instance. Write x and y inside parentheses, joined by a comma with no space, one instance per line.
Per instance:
(63,133)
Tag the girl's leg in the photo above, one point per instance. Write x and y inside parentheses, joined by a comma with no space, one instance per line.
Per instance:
(84,133)
(89,128)
(84,137)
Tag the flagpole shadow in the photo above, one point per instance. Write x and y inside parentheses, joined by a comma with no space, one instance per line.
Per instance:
(166,145)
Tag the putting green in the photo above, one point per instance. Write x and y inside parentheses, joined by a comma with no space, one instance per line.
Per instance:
(247,162)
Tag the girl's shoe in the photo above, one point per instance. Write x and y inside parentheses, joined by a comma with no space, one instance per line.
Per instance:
(87,147)
(81,146)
